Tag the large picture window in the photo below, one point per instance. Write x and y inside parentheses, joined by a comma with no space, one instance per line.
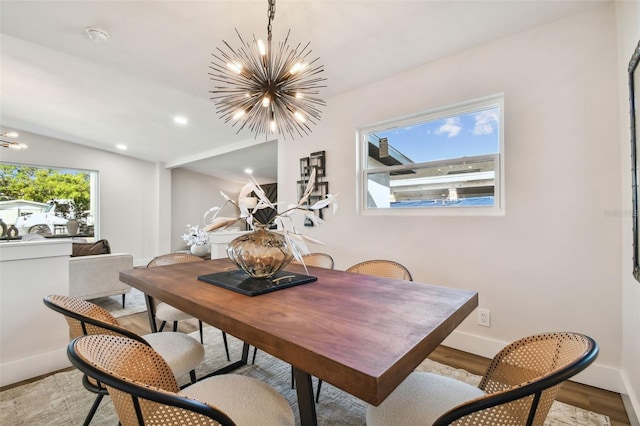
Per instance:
(42,200)
(445,161)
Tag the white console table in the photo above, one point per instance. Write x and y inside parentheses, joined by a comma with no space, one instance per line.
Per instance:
(33,338)
(219,241)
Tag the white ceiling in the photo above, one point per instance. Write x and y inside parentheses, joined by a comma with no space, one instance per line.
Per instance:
(56,82)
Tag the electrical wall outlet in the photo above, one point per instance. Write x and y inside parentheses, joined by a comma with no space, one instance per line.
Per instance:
(484,317)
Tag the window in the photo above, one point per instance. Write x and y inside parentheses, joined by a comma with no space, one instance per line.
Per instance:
(41,200)
(445,161)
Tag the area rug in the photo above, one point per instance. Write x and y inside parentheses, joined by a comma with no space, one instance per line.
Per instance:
(60,399)
(134,303)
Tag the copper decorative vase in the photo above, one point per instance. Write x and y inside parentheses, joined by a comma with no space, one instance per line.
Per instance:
(261,253)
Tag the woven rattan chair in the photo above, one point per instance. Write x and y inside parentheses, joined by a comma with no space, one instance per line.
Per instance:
(382,268)
(323,260)
(144,390)
(182,352)
(167,313)
(518,387)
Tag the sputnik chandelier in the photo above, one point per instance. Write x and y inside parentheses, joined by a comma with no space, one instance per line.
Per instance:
(7,143)
(269,91)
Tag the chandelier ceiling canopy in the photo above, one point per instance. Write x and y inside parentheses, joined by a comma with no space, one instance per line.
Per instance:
(269,90)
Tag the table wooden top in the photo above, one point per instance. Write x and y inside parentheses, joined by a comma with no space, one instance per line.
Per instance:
(361,333)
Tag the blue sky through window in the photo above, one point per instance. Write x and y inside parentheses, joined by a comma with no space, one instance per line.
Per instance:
(469,134)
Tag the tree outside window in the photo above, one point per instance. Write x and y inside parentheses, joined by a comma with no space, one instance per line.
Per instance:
(42,199)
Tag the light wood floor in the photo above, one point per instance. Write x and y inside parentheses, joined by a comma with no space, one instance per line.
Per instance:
(583,396)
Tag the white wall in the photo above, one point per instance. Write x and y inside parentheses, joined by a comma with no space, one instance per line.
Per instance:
(628,22)
(128,202)
(29,271)
(193,194)
(553,261)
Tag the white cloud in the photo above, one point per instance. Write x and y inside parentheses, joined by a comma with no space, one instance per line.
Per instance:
(451,127)
(486,122)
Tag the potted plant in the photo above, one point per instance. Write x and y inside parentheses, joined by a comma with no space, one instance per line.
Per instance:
(197,239)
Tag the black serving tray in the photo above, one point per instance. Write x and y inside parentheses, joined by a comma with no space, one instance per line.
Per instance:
(240,282)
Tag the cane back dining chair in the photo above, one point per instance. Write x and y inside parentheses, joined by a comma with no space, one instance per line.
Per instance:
(183,353)
(323,260)
(518,388)
(167,313)
(382,268)
(144,390)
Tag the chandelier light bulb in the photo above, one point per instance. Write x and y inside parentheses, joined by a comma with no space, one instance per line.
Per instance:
(273,126)
(298,115)
(238,114)
(235,67)
(266,101)
(11,134)
(298,67)
(262,49)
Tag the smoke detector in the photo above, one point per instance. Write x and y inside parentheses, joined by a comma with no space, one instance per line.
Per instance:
(96,34)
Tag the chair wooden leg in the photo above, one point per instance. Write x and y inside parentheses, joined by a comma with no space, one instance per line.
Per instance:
(93,410)
(201,336)
(226,346)
(162,325)
(123,296)
(175,326)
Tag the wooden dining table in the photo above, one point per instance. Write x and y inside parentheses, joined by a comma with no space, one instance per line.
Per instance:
(363,334)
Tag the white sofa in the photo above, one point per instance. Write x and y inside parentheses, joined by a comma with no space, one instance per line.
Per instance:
(96,276)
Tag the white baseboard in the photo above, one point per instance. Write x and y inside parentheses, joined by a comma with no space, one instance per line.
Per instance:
(27,368)
(631,402)
(598,375)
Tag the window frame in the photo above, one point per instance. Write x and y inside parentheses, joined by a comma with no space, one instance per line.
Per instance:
(440,113)
(94,189)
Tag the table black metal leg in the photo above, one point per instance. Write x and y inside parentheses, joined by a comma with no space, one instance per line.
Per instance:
(306,404)
(245,352)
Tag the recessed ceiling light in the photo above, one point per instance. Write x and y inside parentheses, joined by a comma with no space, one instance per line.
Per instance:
(96,34)
(178,119)
(248,171)
(121,147)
